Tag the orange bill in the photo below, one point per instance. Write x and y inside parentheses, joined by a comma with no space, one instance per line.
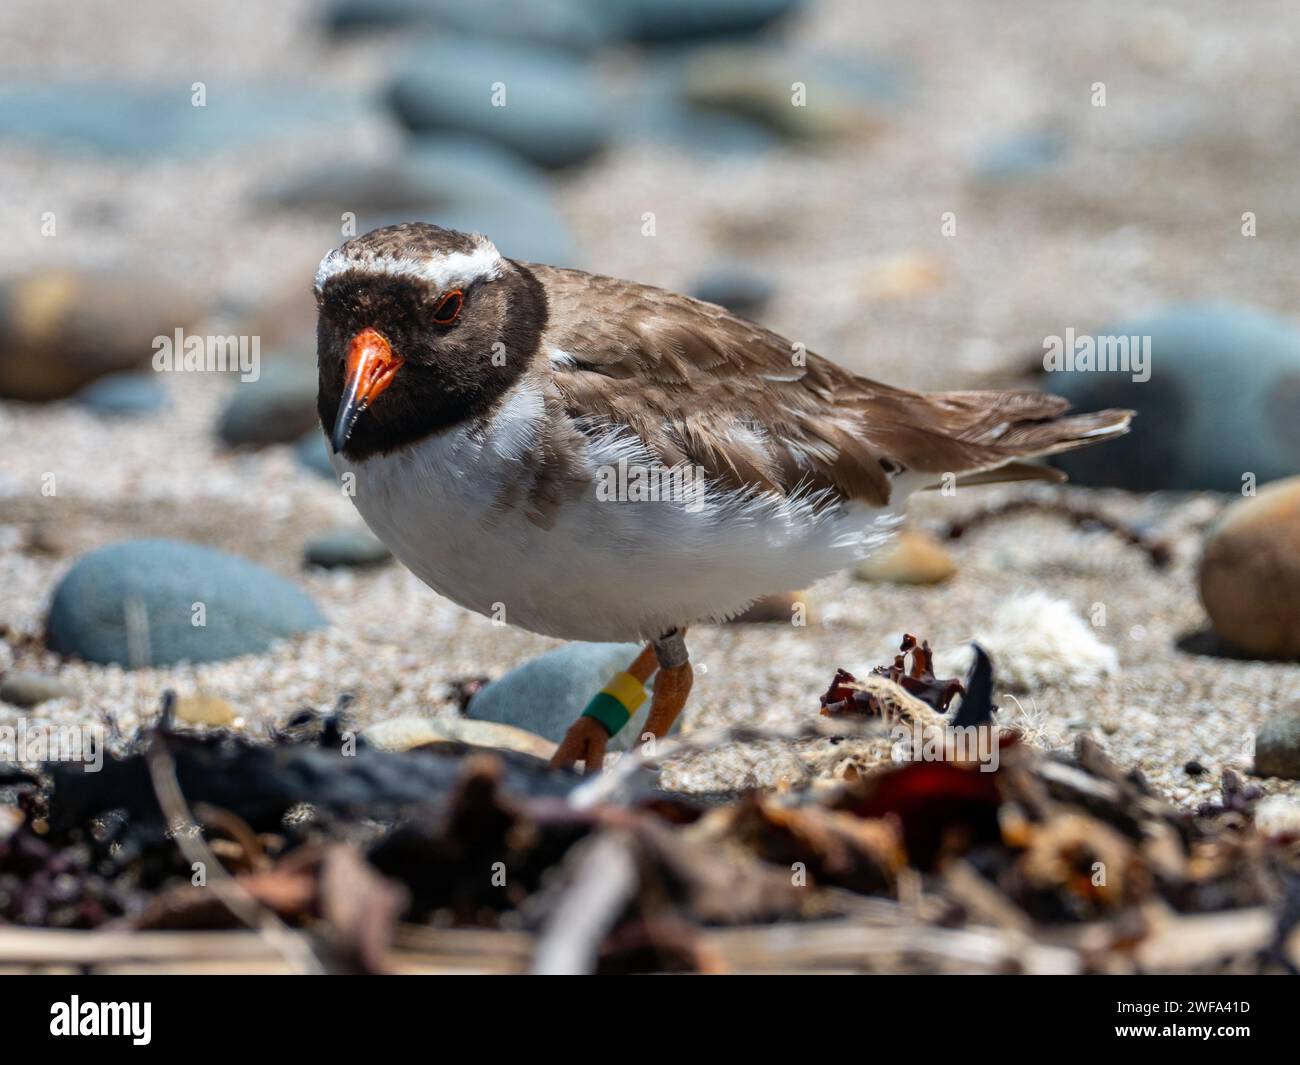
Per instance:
(371,367)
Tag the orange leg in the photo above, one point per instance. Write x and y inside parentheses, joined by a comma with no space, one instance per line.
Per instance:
(587,737)
(672,686)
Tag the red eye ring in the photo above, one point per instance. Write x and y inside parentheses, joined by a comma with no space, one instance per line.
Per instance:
(449,306)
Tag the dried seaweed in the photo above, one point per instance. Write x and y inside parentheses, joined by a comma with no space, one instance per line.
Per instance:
(374,861)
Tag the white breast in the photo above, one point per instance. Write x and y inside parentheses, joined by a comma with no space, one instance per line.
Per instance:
(604,569)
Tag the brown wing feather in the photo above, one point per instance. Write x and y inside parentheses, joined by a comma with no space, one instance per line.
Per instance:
(702,385)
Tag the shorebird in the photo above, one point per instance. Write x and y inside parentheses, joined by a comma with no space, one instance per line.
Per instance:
(495,414)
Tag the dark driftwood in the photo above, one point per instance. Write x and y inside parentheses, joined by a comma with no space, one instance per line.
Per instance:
(260,784)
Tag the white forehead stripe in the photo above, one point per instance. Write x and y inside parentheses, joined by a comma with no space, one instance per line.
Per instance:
(440,272)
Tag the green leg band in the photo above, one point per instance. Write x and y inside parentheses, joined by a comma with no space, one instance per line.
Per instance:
(614,706)
(608,711)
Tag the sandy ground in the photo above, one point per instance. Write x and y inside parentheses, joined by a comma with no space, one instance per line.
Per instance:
(1199,127)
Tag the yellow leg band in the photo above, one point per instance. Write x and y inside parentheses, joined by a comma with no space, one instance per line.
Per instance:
(627,690)
(615,704)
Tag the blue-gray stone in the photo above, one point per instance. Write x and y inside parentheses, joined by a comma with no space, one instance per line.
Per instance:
(735,287)
(1223,400)
(352,548)
(532,233)
(313,452)
(158,585)
(1021,155)
(432,171)
(546,693)
(703,132)
(553,111)
(146,123)
(124,395)
(578,25)
(456,181)
(665,21)
(277,408)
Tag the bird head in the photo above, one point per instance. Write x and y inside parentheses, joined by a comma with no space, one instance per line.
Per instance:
(418,328)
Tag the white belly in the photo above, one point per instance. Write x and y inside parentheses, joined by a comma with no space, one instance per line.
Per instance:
(603,570)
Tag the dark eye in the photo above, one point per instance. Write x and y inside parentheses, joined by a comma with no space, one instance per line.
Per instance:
(449,307)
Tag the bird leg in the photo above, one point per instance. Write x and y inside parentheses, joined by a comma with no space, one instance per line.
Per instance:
(672,686)
(607,712)
(615,704)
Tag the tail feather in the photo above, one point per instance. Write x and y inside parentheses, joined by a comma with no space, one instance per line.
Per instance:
(986,437)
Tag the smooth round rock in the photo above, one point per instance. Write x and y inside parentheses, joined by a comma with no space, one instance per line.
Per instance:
(160,123)
(539,103)
(911,557)
(578,25)
(61,330)
(277,408)
(1021,155)
(1220,403)
(32,689)
(124,395)
(736,288)
(1250,572)
(204,709)
(313,452)
(410,733)
(756,84)
(136,603)
(520,229)
(347,548)
(784,608)
(679,21)
(435,170)
(546,693)
(1277,744)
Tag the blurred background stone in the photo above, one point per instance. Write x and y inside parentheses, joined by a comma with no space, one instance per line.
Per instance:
(203,708)
(1021,155)
(313,452)
(456,181)
(135,603)
(1250,572)
(277,408)
(741,290)
(801,98)
(678,21)
(20,688)
(577,25)
(552,112)
(786,608)
(124,395)
(1223,401)
(350,548)
(145,123)
(911,557)
(60,330)
(1277,744)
